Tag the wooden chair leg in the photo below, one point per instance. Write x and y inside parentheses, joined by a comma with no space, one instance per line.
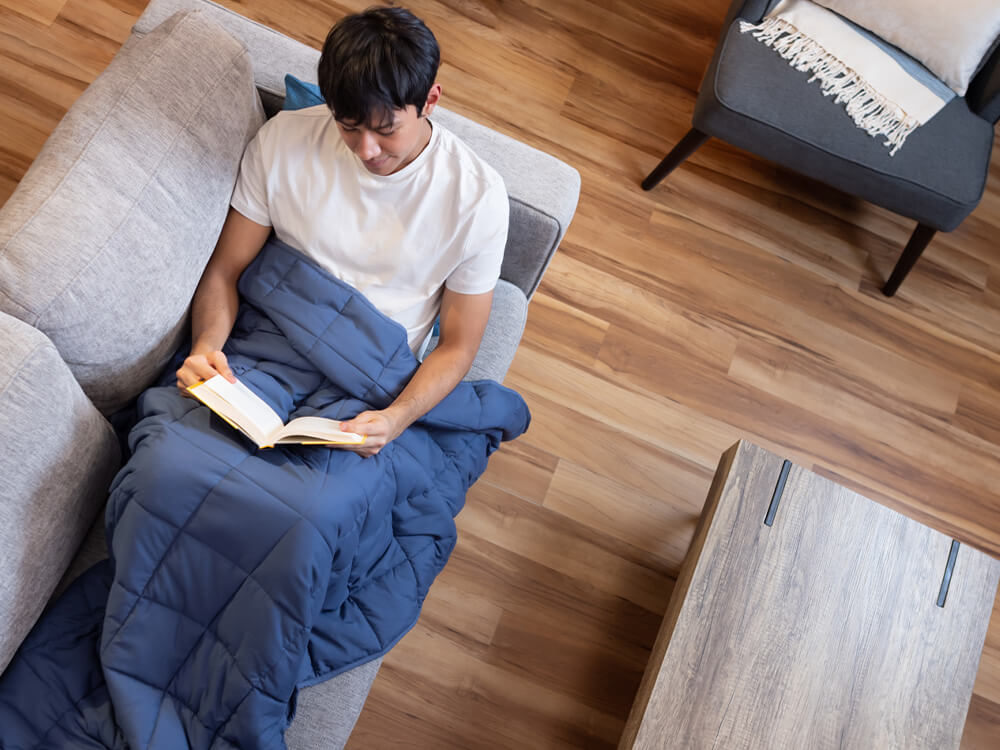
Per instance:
(687,146)
(919,240)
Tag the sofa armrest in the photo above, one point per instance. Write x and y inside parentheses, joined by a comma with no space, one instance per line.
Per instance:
(543,195)
(502,335)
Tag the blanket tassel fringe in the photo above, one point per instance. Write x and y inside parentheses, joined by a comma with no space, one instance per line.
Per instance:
(870,111)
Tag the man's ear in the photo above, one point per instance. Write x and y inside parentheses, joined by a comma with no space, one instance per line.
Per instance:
(433,97)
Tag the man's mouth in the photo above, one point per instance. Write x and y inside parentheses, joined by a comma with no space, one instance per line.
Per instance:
(377,163)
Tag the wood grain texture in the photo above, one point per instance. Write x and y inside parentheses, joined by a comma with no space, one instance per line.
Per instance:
(736,300)
(641,706)
(41,11)
(821,630)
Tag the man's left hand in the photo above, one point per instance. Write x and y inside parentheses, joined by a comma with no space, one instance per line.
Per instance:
(378,427)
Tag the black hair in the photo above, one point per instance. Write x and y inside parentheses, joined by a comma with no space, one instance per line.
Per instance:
(375,62)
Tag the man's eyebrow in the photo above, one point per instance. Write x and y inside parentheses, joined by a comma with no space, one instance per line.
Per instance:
(384,125)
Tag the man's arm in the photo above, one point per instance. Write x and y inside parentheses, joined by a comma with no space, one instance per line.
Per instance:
(463,321)
(216,301)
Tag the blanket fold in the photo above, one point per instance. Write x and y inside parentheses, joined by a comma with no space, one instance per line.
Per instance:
(238,575)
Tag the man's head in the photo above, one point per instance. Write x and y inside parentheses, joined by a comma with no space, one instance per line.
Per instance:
(377,74)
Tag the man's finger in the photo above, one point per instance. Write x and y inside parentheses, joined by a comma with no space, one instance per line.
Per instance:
(184,391)
(359,424)
(221,365)
(186,377)
(190,376)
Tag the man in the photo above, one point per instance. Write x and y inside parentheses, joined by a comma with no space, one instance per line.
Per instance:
(375,193)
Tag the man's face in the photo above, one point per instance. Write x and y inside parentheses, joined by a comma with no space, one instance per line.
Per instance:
(389,146)
(395,141)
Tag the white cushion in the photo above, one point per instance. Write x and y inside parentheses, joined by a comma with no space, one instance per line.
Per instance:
(950,38)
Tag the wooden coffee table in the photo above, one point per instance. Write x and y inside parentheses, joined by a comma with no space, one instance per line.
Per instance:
(807,616)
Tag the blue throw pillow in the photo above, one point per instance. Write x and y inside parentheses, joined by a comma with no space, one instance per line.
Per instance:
(299,94)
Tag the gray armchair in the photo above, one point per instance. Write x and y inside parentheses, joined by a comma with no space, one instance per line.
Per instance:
(750,97)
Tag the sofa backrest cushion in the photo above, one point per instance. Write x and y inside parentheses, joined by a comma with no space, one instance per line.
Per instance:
(58,456)
(105,238)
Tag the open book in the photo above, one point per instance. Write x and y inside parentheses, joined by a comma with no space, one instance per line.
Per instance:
(249,414)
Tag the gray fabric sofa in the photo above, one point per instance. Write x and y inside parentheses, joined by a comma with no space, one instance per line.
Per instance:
(101,247)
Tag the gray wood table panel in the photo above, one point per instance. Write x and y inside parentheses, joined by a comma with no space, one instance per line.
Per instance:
(822,630)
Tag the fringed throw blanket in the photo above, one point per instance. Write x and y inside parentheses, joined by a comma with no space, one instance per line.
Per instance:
(886,93)
(238,575)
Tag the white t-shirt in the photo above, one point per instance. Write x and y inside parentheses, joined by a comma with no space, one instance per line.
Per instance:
(399,239)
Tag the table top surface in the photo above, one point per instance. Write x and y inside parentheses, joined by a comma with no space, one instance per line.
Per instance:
(820,630)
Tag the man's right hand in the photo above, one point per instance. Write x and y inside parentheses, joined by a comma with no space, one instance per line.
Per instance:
(199,367)
(216,300)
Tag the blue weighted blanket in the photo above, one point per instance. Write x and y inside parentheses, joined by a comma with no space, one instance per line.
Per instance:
(238,574)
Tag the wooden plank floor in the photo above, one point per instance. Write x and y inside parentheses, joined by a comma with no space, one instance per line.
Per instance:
(735,300)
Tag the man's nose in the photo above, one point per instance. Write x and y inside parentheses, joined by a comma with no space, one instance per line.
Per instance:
(368,147)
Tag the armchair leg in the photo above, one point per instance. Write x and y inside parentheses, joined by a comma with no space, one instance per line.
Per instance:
(919,240)
(687,146)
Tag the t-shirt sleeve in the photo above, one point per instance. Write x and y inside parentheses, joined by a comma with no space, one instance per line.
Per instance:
(484,245)
(250,193)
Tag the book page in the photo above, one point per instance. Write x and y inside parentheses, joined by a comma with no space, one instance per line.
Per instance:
(318,430)
(241,406)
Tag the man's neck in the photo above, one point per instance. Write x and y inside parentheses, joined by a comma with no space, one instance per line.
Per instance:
(425,139)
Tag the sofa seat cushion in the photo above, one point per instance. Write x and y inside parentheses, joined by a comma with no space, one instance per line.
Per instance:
(105,238)
(937,178)
(59,455)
